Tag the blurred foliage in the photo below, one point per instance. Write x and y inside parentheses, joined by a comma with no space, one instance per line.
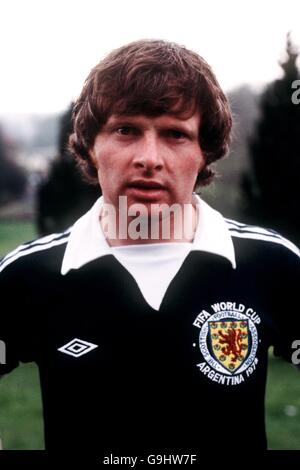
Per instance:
(224,194)
(272,188)
(12,177)
(64,196)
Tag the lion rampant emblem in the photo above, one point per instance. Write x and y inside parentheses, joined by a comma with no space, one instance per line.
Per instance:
(229,342)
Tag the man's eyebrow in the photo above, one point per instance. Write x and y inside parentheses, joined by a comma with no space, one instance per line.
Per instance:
(180,126)
(121,117)
(120,120)
(190,132)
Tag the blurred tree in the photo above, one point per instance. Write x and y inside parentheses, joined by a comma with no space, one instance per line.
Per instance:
(64,196)
(225,193)
(12,177)
(272,187)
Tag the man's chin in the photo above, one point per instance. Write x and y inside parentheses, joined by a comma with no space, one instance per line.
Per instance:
(154,210)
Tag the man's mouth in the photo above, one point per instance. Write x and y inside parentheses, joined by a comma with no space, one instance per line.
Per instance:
(146,190)
(146,185)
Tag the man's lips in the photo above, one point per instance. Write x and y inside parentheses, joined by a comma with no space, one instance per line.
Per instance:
(146,185)
(146,190)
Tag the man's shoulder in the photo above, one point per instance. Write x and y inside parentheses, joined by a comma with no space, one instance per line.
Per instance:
(46,250)
(256,237)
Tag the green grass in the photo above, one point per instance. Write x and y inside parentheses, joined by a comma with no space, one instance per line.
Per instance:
(283,405)
(21,425)
(20,402)
(13,234)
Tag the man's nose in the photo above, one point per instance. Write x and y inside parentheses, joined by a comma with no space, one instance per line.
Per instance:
(149,154)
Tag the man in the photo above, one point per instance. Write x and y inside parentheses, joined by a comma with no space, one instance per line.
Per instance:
(150,319)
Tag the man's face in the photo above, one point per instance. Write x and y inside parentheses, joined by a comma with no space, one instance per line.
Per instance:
(151,160)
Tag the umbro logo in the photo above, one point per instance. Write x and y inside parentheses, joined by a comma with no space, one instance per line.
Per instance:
(77,347)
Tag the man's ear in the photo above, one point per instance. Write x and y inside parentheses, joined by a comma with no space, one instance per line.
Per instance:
(202,162)
(93,157)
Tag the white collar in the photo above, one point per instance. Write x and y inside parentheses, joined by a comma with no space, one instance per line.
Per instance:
(87,241)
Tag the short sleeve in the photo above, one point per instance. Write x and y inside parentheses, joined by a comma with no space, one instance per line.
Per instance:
(18,334)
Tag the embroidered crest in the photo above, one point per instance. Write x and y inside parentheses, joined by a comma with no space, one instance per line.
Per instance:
(229,342)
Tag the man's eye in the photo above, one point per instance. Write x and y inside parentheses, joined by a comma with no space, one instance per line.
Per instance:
(177,135)
(125,130)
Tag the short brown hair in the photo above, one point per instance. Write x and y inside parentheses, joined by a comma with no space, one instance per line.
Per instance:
(152,77)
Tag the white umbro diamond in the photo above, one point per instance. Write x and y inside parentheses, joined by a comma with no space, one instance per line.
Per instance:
(77,347)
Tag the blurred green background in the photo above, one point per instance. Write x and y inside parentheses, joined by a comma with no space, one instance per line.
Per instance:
(20,402)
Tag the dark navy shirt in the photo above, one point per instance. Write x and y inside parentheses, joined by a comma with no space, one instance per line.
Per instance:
(117,374)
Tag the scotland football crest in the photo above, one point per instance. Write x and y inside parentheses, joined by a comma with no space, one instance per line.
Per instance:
(228,342)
